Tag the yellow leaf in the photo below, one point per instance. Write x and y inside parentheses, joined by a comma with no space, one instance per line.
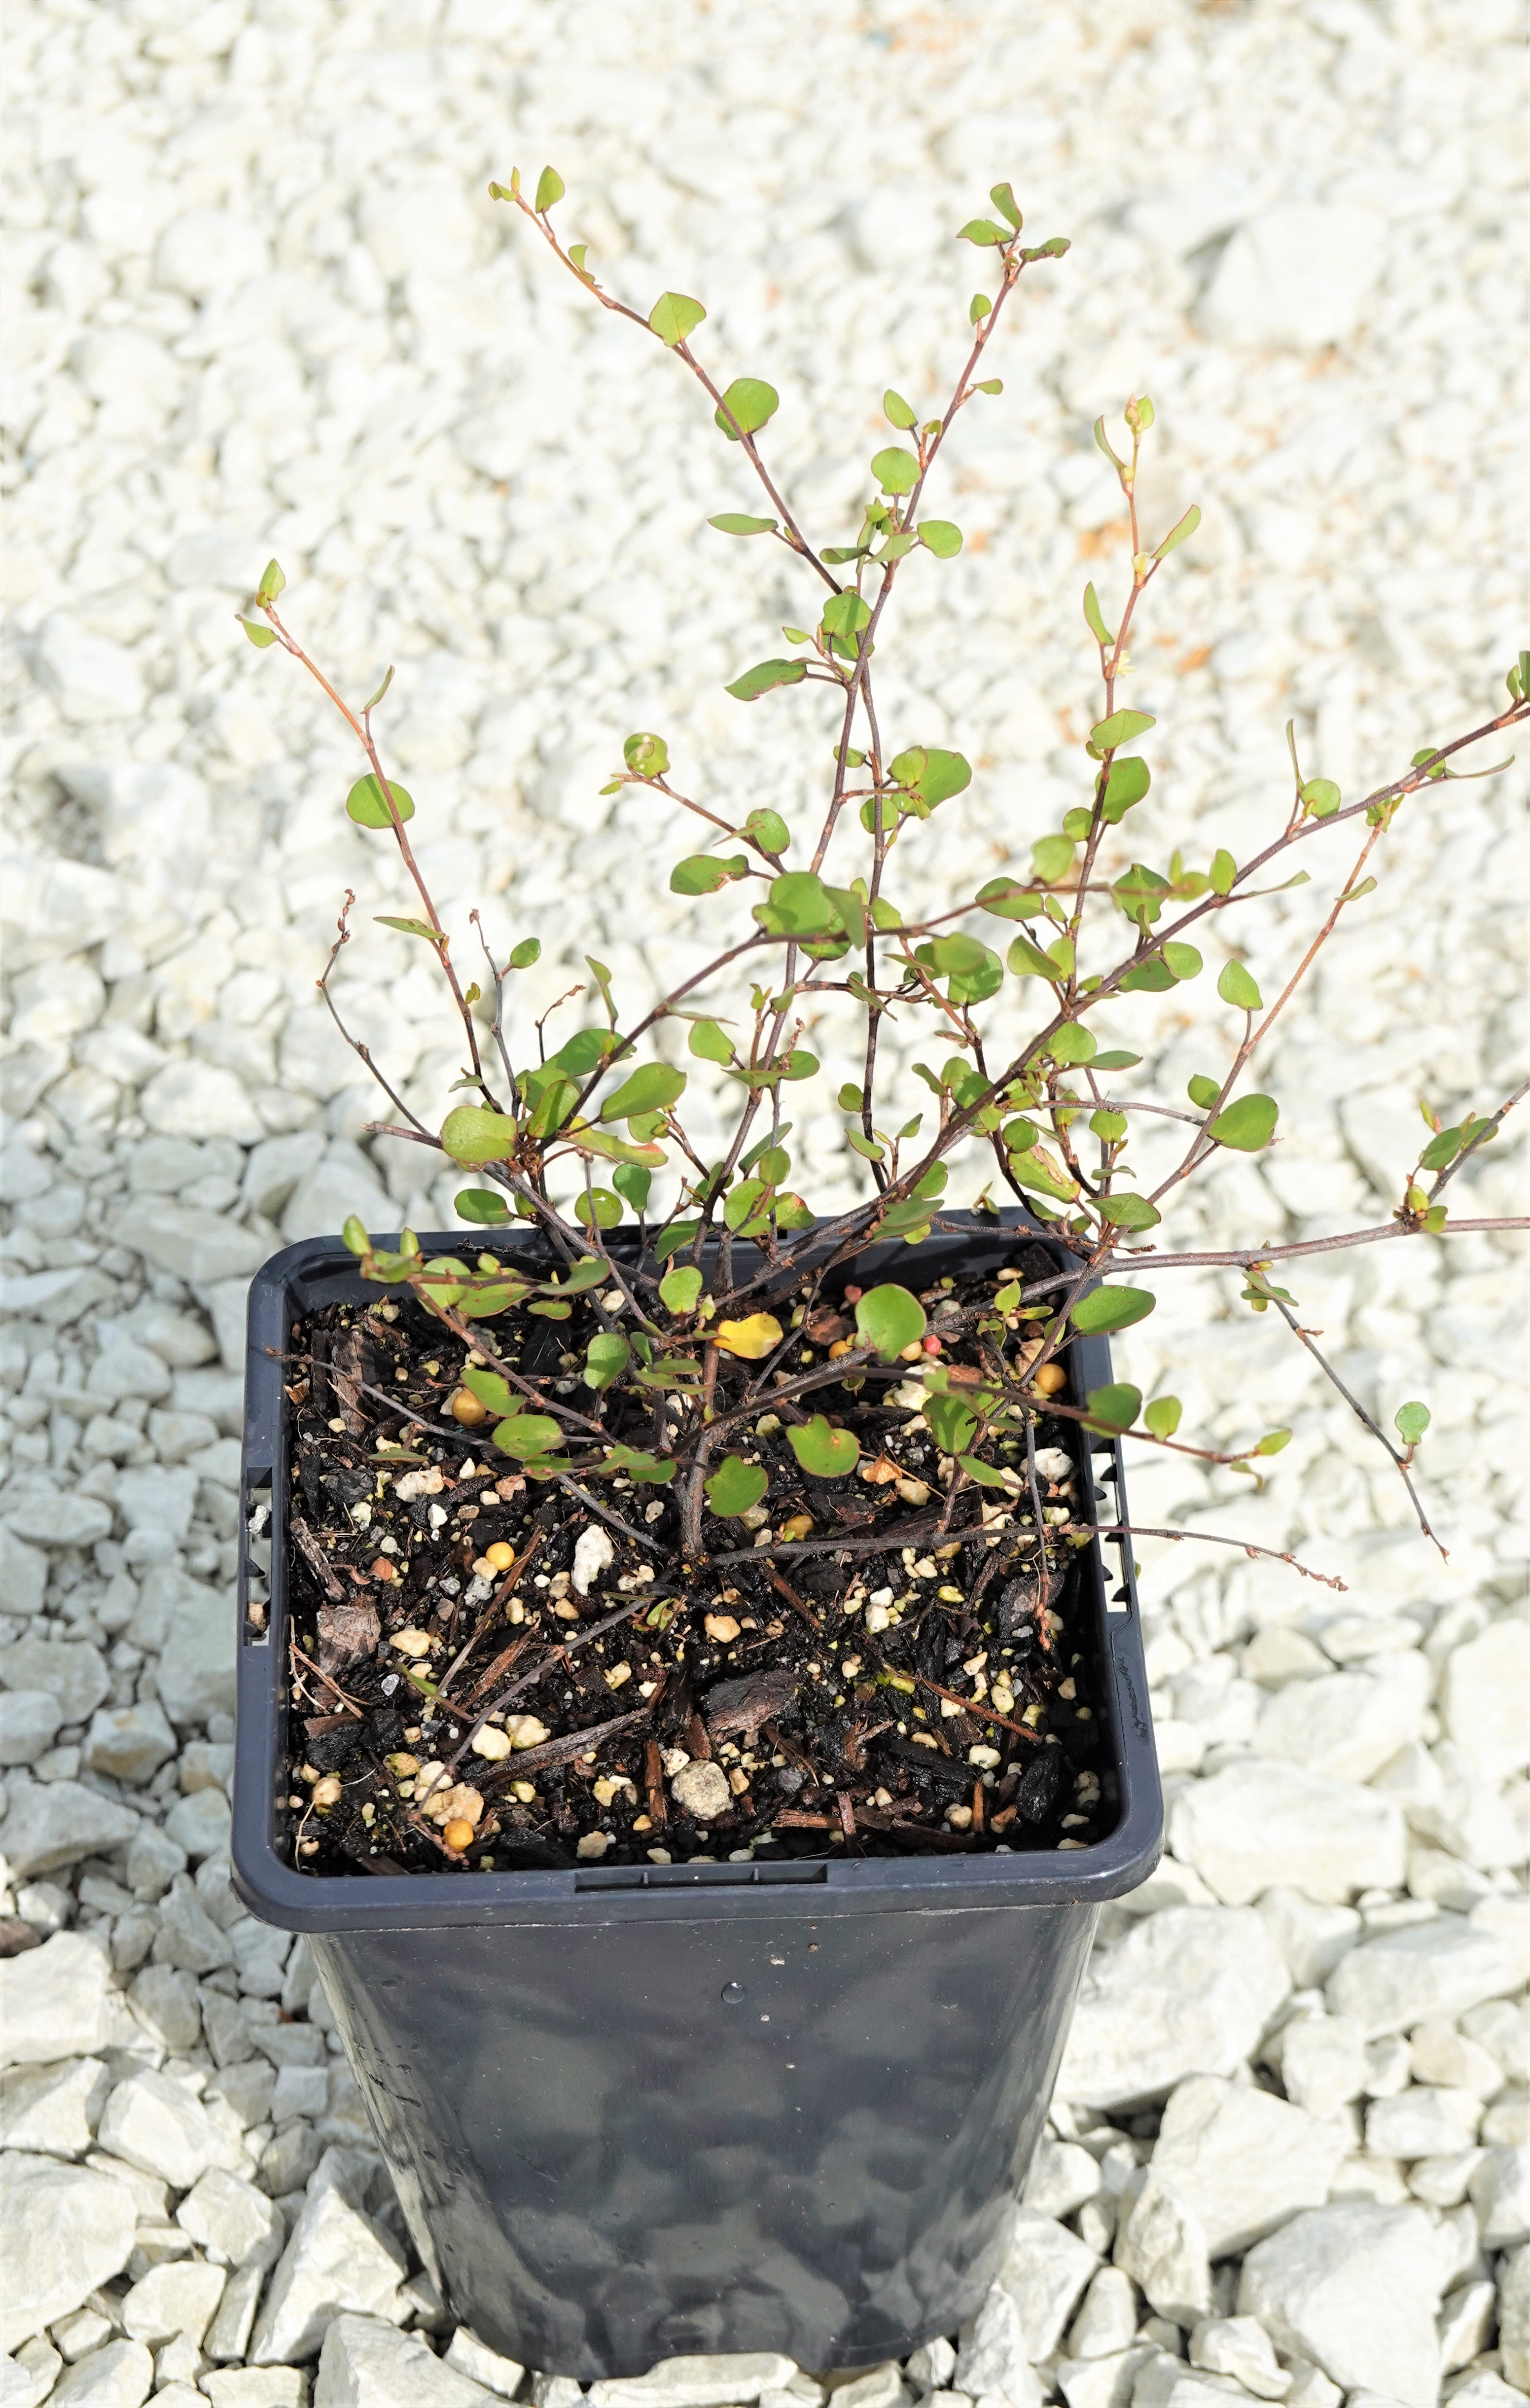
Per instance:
(751,1339)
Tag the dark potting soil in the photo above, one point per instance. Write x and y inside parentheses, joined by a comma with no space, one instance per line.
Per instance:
(487,1673)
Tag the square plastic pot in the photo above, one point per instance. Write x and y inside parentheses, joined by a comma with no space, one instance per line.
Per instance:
(650,2111)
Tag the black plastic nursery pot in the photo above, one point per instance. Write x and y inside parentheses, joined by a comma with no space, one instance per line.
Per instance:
(639,2112)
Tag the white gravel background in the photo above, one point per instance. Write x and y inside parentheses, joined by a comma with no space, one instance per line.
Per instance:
(257,302)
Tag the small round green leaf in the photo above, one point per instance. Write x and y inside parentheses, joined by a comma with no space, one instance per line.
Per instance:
(674,316)
(1412,1421)
(1441,1148)
(802,906)
(1126,1210)
(646,754)
(527,1434)
(1272,1441)
(583,1050)
(748,403)
(706,873)
(366,806)
(1162,1416)
(930,774)
(258,636)
(442,1287)
(764,677)
(896,411)
(983,1473)
(1246,1126)
(768,830)
(472,1134)
(1106,1309)
(528,950)
(607,1209)
(823,1452)
(740,523)
(606,1358)
(890,1319)
(1007,899)
(482,1205)
(1120,728)
(896,471)
(709,1042)
(1073,1044)
(549,188)
(974,970)
(679,1288)
(653,1088)
(951,1423)
(633,1180)
(489,1390)
(480,1299)
(1236,985)
(1128,781)
(1115,1406)
(941,537)
(846,614)
(633,1464)
(735,1486)
(1053,857)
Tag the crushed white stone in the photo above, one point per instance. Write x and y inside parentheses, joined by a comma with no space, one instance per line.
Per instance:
(1327,323)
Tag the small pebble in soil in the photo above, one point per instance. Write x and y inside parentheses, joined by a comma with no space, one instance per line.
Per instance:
(702,1791)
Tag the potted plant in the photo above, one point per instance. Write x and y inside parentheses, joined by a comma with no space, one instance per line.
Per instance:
(681,1694)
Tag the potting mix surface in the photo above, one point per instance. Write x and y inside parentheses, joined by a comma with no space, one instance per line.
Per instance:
(496,1671)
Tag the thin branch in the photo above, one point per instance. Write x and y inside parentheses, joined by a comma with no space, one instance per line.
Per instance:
(1362,1415)
(978,1708)
(361,729)
(540,1671)
(643,1538)
(343,937)
(1207,1538)
(1416,777)
(1489,1130)
(683,351)
(1202,1142)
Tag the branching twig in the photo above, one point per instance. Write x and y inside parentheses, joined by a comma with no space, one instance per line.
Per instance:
(1098,1213)
(1361,1416)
